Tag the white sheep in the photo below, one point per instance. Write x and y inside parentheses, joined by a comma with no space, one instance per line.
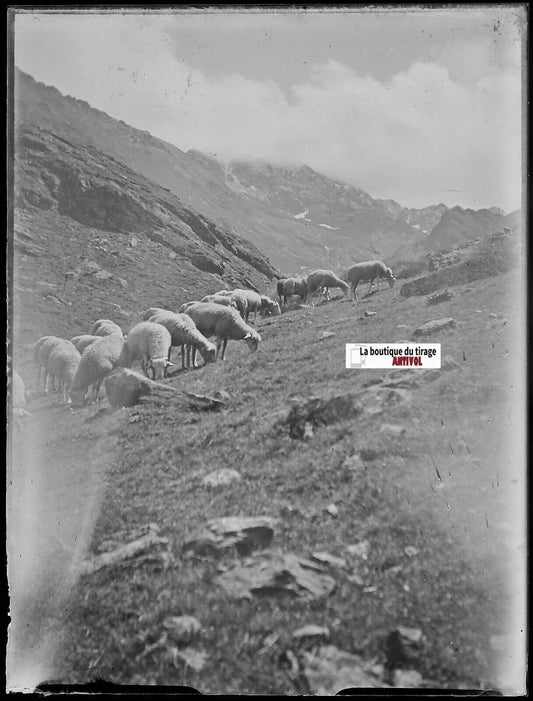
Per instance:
(225,300)
(81,342)
(106,327)
(151,311)
(97,361)
(368,271)
(63,363)
(253,302)
(186,305)
(239,299)
(150,343)
(269,307)
(184,334)
(225,323)
(322,280)
(42,350)
(293,286)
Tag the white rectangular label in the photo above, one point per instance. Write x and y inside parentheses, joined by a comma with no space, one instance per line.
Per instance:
(372,356)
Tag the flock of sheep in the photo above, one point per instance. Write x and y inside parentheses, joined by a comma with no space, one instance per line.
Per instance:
(83,362)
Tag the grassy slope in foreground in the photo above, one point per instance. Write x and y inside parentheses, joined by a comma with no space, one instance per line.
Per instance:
(458,586)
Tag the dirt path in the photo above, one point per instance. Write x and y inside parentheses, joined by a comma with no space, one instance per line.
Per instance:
(56,477)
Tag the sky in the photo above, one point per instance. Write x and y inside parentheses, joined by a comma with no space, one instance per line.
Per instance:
(416,104)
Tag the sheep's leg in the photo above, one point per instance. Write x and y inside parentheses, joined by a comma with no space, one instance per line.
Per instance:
(219,343)
(193,353)
(224,344)
(39,379)
(183,356)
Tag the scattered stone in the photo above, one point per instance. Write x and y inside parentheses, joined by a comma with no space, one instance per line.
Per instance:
(361,549)
(492,315)
(402,326)
(289,510)
(276,574)
(376,399)
(114,253)
(123,283)
(182,629)
(205,402)
(125,387)
(316,412)
(410,551)
(448,363)
(403,646)
(172,255)
(326,334)
(193,658)
(327,559)
(315,633)
(356,579)
(328,670)
(366,314)
(407,679)
(124,552)
(222,477)
(353,462)
(88,268)
(332,510)
(440,296)
(432,327)
(243,534)
(133,242)
(393,430)
(103,275)
(431,375)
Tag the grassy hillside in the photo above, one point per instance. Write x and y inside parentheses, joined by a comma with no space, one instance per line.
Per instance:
(437,505)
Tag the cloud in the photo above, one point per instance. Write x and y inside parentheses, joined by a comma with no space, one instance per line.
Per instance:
(415,137)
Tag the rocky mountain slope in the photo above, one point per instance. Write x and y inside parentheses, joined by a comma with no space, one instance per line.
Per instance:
(264,204)
(116,235)
(458,225)
(424,219)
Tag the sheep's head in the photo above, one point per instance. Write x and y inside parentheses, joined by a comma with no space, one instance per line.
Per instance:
(209,354)
(159,367)
(390,278)
(252,340)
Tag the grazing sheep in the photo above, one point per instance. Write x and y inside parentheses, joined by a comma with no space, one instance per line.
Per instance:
(269,307)
(294,286)
(225,323)
(150,343)
(183,332)
(368,271)
(151,311)
(63,363)
(253,302)
(279,289)
(97,361)
(322,280)
(106,327)
(36,348)
(225,300)
(186,305)
(81,342)
(43,354)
